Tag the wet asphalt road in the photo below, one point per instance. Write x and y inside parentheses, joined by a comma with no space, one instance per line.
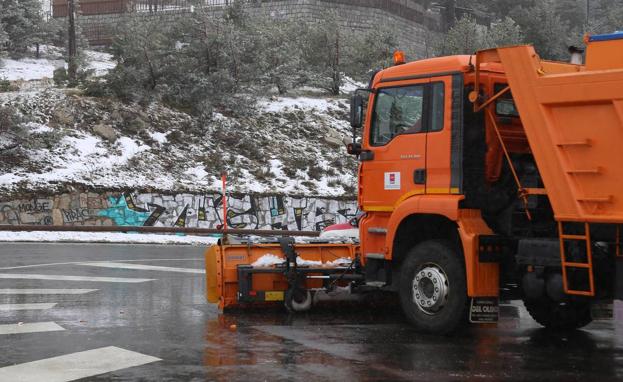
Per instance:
(165,316)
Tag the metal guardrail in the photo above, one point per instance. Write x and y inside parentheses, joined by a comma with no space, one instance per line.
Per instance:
(141,229)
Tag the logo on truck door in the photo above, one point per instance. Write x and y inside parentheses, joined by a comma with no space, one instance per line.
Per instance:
(392,181)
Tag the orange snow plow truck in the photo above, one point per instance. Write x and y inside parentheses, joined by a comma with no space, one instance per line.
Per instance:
(485,177)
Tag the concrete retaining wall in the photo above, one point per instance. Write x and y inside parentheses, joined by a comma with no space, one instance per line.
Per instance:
(412,29)
(181,210)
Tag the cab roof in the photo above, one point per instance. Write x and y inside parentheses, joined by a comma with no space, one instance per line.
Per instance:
(430,67)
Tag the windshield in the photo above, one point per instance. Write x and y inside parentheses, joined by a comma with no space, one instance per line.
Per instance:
(397,111)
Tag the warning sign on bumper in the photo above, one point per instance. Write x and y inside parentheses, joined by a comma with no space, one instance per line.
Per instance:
(484,310)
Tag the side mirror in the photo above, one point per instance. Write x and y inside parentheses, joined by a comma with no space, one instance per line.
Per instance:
(356,111)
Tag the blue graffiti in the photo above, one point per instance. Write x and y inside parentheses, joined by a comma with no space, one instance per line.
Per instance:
(121,214)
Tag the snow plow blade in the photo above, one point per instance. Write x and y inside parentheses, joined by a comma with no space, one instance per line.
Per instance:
(241,275)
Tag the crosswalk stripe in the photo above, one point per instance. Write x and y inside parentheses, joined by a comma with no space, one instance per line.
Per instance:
(30,327)
(110,264)
(76,262)
(34,306)
(46,291)
(74,366)
(72,278)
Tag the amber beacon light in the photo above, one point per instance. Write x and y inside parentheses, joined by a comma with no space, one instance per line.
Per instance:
(399,57)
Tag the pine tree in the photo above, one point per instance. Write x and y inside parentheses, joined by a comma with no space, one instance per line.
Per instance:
(465,37)
(279,53)
(607,16)
(503,33)
(369,51)
(323,53)
(4,40)
(544,28)
(22,20)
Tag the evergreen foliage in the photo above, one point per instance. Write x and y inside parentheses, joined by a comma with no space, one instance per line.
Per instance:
(545,28)
(21,21)
(205,61)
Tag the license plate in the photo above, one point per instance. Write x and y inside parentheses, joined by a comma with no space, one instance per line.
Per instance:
(273,296)
(484,310)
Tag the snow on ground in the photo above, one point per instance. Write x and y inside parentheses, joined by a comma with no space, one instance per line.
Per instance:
(350,85)
(76,158)
(158,137)
(99,61)
(285,150)
(104,237)
(28,69)
(280,104)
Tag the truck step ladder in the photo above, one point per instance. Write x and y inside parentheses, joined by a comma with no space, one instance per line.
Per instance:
(567,265)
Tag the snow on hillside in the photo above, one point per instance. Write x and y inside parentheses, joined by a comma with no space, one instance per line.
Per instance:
(289,145)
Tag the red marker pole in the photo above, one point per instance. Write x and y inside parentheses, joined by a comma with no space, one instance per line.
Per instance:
(224,188)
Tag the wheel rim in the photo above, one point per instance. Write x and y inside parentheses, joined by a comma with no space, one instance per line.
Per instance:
(430,288)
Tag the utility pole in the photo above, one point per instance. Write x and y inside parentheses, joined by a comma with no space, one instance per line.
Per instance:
(71,49)
(588,12)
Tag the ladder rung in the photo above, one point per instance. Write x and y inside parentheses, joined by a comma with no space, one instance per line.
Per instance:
(535,191)
(576,265)
(579,292)
(377,230)
(573,237)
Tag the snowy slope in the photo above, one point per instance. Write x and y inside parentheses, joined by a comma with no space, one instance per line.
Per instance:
(288,145)
(282,148)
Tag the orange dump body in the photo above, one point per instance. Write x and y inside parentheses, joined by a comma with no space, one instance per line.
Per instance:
(222,262)
(572,116)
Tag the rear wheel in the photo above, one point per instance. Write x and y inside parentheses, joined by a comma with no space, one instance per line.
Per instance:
(433,291)
(559,315)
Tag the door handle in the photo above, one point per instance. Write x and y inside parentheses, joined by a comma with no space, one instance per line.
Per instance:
(419,176)
(366,155)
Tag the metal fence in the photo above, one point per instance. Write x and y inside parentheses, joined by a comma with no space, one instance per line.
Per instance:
(408,9)
(106,7)
(101,32)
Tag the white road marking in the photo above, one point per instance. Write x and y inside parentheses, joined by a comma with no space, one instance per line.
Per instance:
(46,291)
(72,278)
(80,262)
(37,306)
(30,327)
(110,264)
(74,366)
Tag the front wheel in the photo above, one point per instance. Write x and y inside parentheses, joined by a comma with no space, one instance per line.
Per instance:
(433,290)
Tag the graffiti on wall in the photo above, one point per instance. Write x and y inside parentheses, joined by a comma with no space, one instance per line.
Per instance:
(182,210)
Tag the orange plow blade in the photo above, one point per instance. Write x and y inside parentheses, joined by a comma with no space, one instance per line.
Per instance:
(252,274)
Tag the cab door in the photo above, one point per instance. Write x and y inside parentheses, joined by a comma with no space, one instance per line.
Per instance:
(393,161)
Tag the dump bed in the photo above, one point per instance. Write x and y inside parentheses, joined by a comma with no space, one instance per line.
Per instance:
(573,119)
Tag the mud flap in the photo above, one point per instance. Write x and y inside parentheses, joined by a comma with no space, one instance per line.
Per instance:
(484,310)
